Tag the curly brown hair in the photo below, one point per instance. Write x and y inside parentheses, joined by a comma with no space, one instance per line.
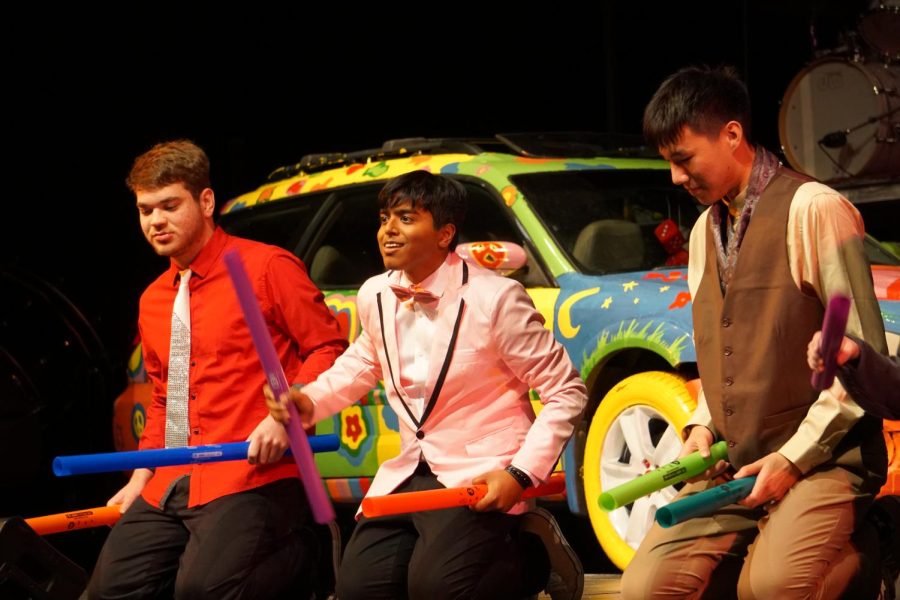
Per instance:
(177,161)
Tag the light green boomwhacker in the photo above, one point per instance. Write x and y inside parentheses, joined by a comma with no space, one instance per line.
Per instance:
(664,476)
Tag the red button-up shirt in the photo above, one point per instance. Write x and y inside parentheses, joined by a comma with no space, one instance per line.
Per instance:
(226,402)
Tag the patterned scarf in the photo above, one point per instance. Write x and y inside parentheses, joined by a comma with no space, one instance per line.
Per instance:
(727,246)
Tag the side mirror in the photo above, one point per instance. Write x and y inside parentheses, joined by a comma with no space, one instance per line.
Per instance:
(502,257)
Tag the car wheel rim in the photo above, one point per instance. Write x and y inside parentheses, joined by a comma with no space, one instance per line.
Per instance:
(640,440)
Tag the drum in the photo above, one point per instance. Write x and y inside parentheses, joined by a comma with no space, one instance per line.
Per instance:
(880,28)
(841,119)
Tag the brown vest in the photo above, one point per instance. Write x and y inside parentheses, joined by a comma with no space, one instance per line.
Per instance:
(751,342)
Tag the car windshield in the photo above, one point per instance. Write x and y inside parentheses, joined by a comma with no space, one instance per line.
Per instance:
(878,202)
(880,253)
(613,220)
(883,245)
(609,220)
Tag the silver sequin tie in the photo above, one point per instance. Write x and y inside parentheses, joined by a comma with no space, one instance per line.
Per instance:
(179,361)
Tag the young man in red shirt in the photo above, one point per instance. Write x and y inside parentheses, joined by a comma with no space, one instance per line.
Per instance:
(221,529)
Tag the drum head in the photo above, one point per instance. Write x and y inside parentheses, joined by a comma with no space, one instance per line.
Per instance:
(880,28)
(832,96)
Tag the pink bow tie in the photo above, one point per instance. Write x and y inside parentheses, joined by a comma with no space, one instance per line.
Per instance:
(415,292)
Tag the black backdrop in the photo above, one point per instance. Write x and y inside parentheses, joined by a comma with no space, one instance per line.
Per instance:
(260,86)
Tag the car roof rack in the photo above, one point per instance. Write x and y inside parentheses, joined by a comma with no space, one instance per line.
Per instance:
(560,144)
(577,144)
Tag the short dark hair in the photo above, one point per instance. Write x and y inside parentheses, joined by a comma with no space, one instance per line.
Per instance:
(701,98)
(444,198)
(177,161)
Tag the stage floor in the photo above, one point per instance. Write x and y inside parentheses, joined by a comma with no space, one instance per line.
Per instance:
(597,586)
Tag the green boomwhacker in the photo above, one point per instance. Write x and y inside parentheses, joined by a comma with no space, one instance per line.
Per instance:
(664,476)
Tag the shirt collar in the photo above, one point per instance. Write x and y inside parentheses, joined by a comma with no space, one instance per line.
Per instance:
(736,204)
(206,258)
(435,283)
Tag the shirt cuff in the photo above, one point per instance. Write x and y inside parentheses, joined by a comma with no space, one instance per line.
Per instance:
(534,480)
(312,395)
(805,455)
(829,419)
(701,416)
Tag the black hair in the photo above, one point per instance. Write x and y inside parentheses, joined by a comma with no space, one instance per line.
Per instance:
(444,198)
(701,98)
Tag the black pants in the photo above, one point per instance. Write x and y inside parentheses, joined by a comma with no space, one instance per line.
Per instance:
(432,555)
(252,544)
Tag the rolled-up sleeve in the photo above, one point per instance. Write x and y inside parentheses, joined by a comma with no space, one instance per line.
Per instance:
(826,253)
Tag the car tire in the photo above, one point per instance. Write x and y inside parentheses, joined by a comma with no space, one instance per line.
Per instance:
(635,429)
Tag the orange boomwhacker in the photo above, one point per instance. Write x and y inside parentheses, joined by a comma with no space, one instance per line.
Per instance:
(393,504)
(78,519)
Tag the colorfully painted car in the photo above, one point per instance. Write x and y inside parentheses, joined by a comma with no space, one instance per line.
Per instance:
(597,236)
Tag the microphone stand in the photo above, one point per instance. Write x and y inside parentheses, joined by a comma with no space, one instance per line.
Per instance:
(837,139)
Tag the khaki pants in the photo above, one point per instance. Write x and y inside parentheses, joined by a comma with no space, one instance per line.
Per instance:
(799,548)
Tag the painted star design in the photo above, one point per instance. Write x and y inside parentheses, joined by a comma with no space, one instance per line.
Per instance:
(627,287)
(664,288)
(606,302)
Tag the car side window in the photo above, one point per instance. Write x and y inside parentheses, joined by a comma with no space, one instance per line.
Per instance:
(488,221)
(344,253)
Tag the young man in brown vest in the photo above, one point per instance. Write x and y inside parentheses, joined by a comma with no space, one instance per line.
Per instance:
(819,460)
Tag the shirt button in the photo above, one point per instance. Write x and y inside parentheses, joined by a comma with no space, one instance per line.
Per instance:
(196,431)
(730,444)
(193,396)
(420,434)
(728,351)
(729,381)
(726,322)
(728,412)
(193,363)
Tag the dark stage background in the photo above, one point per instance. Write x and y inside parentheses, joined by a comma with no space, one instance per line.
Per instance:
(259,86)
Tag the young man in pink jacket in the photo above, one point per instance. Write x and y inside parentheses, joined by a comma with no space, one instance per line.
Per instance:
(458,348)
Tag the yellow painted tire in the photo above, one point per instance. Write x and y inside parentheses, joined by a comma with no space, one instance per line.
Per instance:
(635,429)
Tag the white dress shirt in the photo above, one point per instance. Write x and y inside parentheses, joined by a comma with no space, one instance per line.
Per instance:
(415,330)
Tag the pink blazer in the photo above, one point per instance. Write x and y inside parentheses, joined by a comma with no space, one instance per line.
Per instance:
(482,419)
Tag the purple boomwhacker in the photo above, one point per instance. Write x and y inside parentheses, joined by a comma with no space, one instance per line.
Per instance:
(833,326)
(323,511)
